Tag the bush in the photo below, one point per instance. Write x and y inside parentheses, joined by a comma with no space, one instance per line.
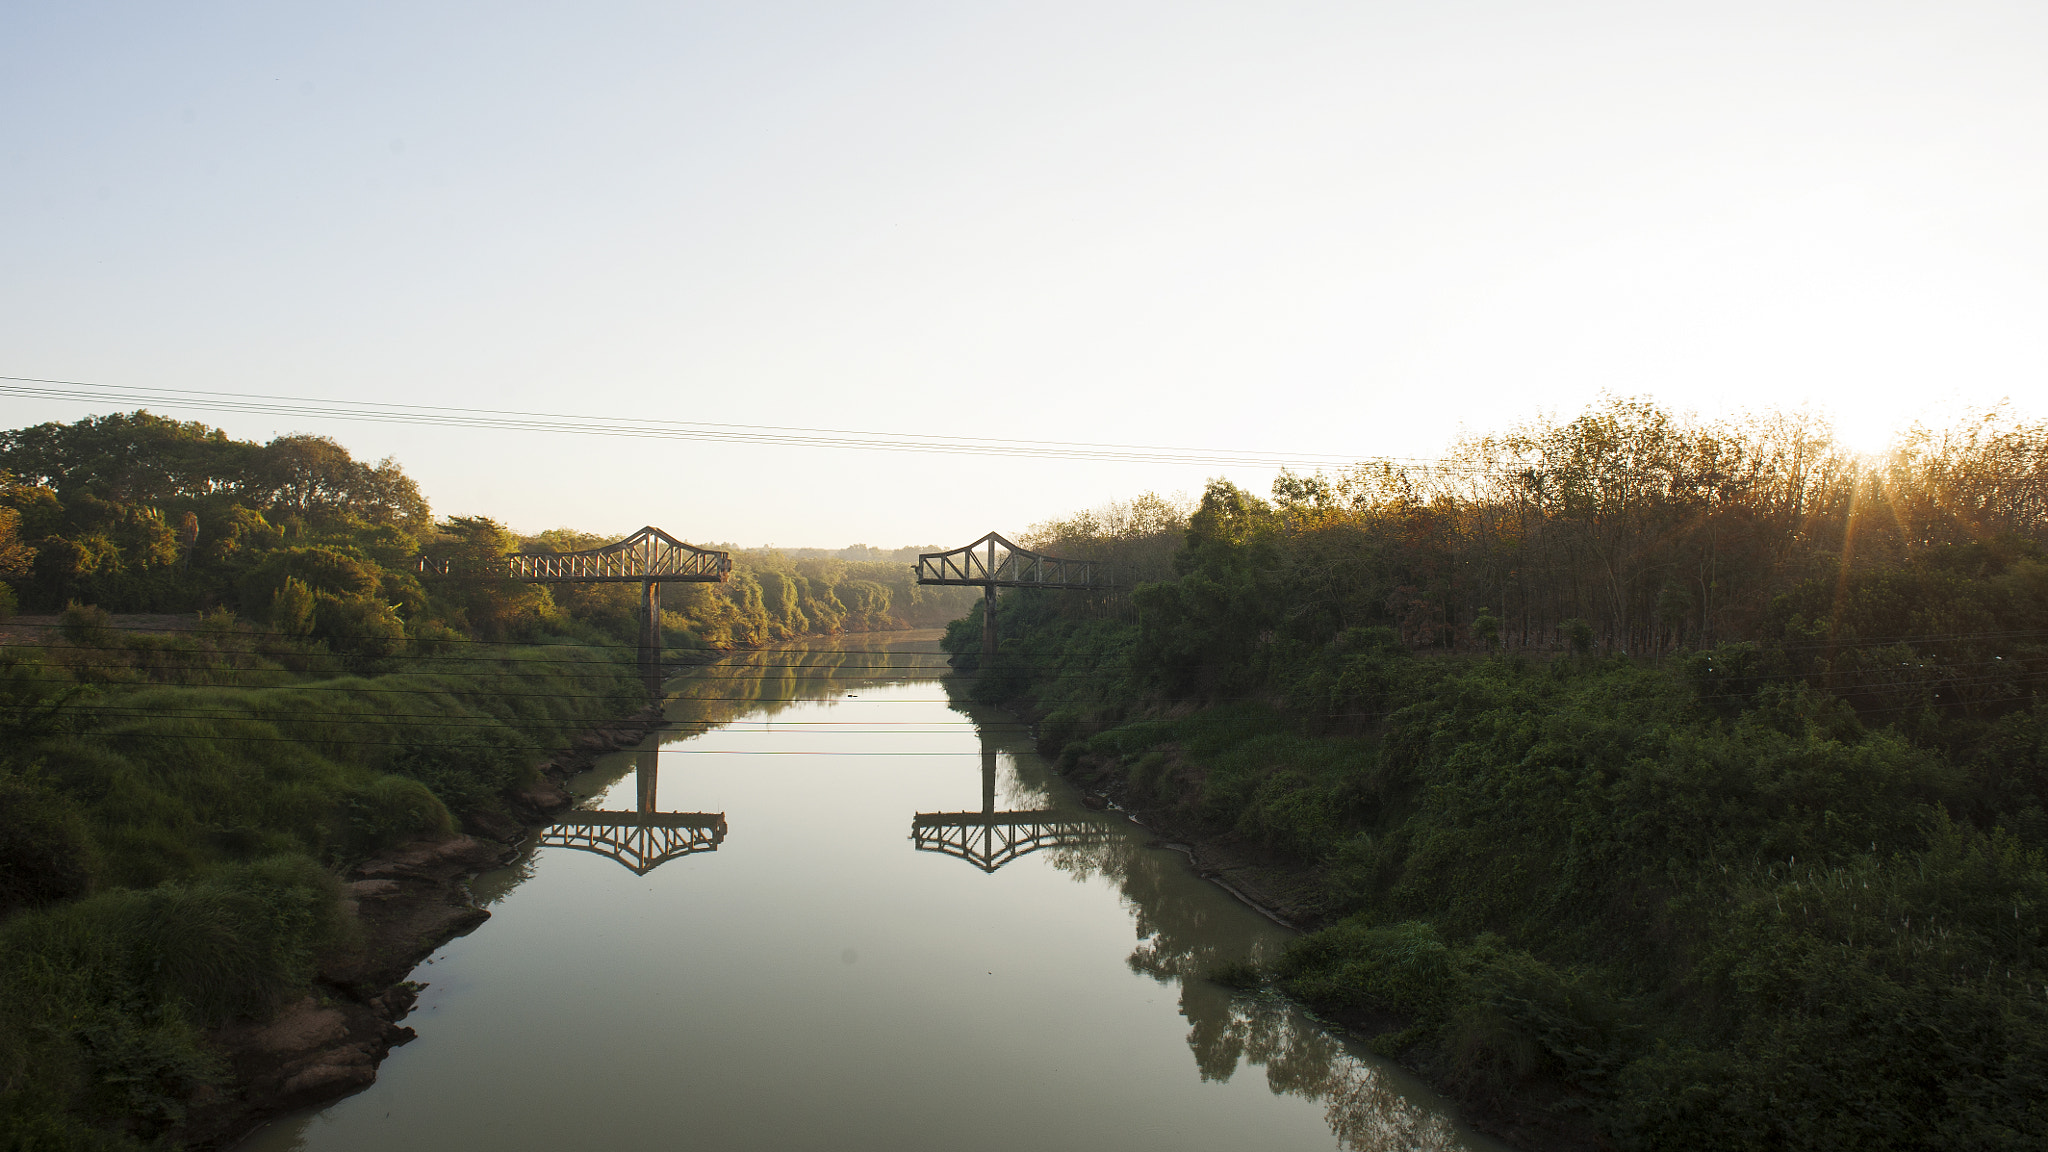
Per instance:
(358,626)
(46,853)
(470,771)
(87,626)
(391,810)
(103,1001)
(1402,967)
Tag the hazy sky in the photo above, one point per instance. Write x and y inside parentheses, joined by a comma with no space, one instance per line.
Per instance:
(1339,228)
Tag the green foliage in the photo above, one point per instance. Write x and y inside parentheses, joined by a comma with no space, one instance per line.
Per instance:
(209,817)
(292,607)
(358,626)
(103,1001)
(1587,877)
(470,771)
(1577,635)
(46,852)
(1496,1016)
(87,626)
(1781,887)
(174,806)
(136,513)
(316,569)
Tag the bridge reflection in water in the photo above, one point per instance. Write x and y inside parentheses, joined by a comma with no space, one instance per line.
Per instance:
(989,839)
(643,839)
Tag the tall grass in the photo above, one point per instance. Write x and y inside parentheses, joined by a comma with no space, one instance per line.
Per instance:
(104,1001)
(168,849)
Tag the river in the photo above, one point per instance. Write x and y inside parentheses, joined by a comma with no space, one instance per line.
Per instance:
(786,955)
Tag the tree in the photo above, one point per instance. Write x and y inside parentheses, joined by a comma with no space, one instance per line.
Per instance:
(476,593)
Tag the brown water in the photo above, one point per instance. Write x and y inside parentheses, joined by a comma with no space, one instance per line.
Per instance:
(813,965)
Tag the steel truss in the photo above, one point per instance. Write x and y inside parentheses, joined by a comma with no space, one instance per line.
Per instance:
(642,841)
(993,562)
(989,840)
(647,555)
(649,558)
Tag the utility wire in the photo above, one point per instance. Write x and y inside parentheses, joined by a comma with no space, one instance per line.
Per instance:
(302,407)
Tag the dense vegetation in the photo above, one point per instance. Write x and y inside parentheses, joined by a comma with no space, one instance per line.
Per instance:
(1682,786)
(178,795)
(138,513)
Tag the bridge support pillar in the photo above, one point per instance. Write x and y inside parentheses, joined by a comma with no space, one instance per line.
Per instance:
(646,776)
(650,636)
(988,622)
(988,777)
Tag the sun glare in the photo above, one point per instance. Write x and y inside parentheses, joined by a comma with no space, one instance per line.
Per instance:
(1867,432)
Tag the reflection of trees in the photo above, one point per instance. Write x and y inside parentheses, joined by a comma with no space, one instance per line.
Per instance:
(1301,1059)
(1180,942)
(764,683)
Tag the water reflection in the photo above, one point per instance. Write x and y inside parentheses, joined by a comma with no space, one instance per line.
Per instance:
(989,839)
(760,685)
(601,1008)
(1183,938)
(642,839)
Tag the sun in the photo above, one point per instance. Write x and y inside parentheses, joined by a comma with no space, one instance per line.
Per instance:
(1866,432)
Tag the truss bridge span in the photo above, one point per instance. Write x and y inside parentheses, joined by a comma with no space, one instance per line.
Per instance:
(649,558)
(993,562)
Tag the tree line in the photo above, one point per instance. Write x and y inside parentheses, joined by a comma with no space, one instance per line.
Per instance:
(177,804)
(1627,528)
(1653,783)
(138,513)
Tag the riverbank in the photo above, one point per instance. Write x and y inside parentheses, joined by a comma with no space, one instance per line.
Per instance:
(1040,992)
(1557,888)
(405,903)
(1297,895)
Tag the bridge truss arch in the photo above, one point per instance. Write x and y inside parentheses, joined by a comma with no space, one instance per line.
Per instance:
(640,841)
(989,840)
(994,562)
(649,557)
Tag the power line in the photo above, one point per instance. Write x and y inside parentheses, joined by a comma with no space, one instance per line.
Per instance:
(768,435)
(301,407)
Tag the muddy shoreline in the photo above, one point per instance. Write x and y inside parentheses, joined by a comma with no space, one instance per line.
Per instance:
(408,902)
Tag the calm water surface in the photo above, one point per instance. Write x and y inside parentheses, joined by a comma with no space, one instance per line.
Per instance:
(786,955)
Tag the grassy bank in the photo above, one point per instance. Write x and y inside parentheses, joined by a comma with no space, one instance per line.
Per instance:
(174,811)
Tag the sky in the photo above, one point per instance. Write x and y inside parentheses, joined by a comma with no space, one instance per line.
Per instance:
(1351,230)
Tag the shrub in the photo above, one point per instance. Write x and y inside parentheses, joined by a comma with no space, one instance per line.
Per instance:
(103,1000)
(46,854)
